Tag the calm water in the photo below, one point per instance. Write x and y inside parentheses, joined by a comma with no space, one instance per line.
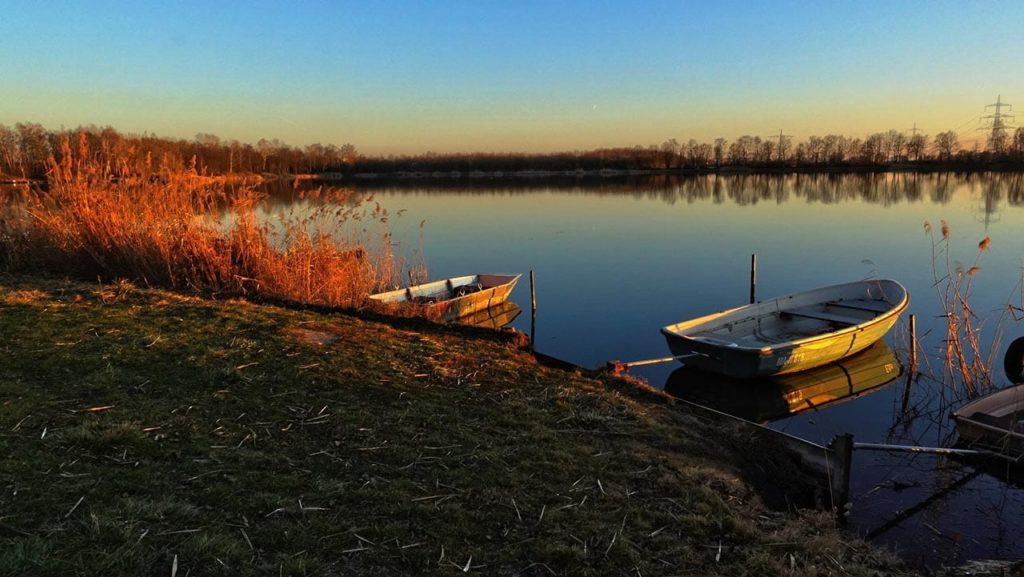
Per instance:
(615,261)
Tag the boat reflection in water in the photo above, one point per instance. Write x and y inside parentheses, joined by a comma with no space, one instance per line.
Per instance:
(775,398)
(496,317)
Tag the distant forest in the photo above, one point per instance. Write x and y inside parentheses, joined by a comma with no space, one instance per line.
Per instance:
(26,149)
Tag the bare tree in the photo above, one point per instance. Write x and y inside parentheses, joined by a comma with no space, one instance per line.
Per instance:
(895,142)
(916,146)
(670,153)
(719,151)
(741,150)
(873,151)
(946,143)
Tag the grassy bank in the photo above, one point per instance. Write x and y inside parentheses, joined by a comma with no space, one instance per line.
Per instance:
(147,433)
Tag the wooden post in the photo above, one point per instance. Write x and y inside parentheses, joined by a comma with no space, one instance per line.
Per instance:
(913,364)
(533,308)
(913,344)
(842,461)
(753,278)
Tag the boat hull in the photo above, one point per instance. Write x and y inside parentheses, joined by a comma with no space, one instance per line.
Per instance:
(495,318)
(804,333)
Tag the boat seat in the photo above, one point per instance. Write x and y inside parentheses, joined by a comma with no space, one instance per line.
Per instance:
(1011,422)
(859,305)
(821,316)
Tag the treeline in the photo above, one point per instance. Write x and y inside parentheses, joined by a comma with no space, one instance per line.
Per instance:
(26,147)
(830,151)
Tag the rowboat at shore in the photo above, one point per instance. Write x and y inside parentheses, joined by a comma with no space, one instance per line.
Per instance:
(769,399)
(456,297)
(995,421)
(791,333)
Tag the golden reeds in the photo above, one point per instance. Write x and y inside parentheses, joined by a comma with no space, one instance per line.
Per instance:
(186,231)
(964,360)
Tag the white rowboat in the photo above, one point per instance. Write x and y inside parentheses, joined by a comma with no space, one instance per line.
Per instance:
(456,297)
(791,333)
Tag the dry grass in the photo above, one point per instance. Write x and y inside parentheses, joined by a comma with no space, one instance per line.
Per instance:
(189,232)
(964,360)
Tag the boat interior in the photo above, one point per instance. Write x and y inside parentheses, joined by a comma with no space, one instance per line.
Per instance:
(775,324)
(1011,422)
(447,290)
(443,290)
(1003,411)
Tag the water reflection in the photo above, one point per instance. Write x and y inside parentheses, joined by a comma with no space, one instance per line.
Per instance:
(886,188)
(766,400)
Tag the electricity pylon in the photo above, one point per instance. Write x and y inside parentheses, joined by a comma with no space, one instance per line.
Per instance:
(997,124)
(780,136)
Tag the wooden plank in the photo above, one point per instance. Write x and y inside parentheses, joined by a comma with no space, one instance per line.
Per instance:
(822,316)
(857,307)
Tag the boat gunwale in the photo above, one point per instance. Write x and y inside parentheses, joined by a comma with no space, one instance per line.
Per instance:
(896,310)
(985,399)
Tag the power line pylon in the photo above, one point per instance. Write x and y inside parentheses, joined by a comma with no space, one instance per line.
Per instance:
(914,144)
(997,124)
(781,150)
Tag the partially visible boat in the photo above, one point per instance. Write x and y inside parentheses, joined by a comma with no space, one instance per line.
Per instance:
(995,421)
(791,333)
(769,399)
(452,298)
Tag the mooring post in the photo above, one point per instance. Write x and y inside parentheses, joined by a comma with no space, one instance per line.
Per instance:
(913,364)
(842,455)
(753,278)
(533,308)
(913,344)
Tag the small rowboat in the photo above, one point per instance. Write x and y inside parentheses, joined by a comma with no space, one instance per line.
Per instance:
(995,421)
(453,298)
(791,333)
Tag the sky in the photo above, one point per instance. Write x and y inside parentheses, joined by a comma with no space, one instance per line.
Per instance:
(528,76)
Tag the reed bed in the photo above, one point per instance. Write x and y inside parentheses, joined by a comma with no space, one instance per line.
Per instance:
(186,231)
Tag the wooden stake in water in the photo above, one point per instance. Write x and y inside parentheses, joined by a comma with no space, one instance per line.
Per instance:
(533,308)
(842,447)
(753,278)
(913,344)
(913,364)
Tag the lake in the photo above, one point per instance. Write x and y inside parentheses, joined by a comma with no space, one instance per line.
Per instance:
(616,259)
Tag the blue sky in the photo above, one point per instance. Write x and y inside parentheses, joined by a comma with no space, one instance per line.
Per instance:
(408,77)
